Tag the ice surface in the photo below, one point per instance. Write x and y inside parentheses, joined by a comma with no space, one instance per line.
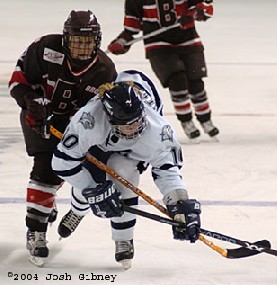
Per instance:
(235,179)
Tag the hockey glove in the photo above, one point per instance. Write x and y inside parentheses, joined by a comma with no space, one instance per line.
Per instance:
(200,12)
(119,45)
(39,114)
(203,11)
(104,200)
(187,19)
(187,212)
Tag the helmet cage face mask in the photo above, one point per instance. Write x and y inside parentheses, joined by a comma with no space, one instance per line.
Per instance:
(132,131)
(81,37)
(81,47)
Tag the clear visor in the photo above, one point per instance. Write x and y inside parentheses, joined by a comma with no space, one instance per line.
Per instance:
(130,131)
(81,47)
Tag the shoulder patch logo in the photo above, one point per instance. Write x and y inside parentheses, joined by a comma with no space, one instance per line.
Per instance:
(53,56)
(87,120)
(167,133)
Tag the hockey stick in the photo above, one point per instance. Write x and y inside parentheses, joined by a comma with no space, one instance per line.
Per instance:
(137,191)
(147,198)
(247,249)
(152,34)
(240,252)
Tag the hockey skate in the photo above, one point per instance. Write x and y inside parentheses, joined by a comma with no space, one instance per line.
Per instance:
(68,224)
(191,131)
(36,244)
(210,129)
(124,253)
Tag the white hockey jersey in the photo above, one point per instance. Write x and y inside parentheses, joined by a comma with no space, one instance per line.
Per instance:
(157,144)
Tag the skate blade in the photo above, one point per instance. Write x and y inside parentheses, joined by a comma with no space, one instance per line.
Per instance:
(37,261)
(195,140)
(214,139)
(126,263)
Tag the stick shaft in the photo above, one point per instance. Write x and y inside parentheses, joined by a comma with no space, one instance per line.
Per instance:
(126,183)
(153,34)
(162,209)
(248,249)
(55,132)
(147,198)
(160,219)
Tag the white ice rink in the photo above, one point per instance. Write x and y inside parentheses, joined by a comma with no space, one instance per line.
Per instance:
(235,179)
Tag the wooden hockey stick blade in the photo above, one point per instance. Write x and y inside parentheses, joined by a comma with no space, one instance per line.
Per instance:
(242,252)
(244,244)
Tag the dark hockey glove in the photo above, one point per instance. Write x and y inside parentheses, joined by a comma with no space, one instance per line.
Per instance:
(119,45)
(104,200)
(39,114)
(187,19)
(203,11)
(187,212)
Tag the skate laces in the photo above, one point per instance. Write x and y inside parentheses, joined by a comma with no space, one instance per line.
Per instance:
(123,246)
(36,240)
(40,239)
(30,239)
(208,126)
(71,221)
(189,127)
(31,236)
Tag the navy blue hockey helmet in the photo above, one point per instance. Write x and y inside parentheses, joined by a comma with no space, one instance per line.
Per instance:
(81,37)
(125,110)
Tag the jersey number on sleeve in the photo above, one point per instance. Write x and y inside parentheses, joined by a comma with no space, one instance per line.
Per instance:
(177,155)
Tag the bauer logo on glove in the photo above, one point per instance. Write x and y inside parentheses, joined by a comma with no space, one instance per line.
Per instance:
(104,200)
(102,196)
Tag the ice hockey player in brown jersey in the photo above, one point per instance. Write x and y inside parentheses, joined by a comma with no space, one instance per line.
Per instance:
(53,78)
(176,55)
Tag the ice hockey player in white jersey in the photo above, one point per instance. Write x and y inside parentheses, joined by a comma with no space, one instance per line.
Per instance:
(126,121)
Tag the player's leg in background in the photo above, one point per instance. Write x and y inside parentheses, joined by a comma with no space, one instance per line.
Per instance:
(196,70)
(171,71)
